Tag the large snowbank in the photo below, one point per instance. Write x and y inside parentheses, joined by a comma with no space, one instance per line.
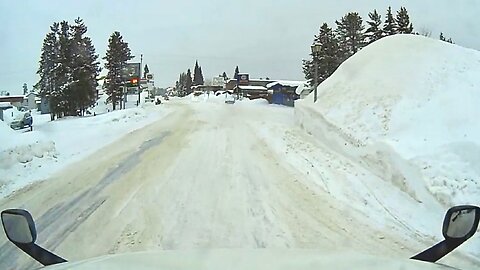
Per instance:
(407,106)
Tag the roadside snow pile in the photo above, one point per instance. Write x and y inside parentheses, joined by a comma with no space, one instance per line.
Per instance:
(32,156)
(22,148)
(407,106)
(7,136)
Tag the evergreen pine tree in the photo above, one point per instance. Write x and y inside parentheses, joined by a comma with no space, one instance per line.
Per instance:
(390,26)
(308,70)
(181,84)
(64,71)
(85,69)
(188,82)
(48,86)
(235,75)
(201,81)
(442,37)
(117,56)
(224,75)
(327,59)
(374,31)
(196,74)
(404,26)
(68,69)
(25,89)
(145,71)
(350,35)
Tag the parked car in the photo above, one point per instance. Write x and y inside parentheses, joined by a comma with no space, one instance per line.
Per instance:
(16,118)
(26,120)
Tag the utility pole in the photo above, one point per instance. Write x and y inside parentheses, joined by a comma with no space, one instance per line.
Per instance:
(316,81)
(139,78)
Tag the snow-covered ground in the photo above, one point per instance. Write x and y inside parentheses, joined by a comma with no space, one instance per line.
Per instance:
(215,175)
(26,157)
(405,109)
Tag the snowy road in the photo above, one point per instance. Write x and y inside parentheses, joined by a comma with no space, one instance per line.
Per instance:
(203,177)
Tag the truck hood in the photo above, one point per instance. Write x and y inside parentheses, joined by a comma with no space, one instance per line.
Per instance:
(245,259)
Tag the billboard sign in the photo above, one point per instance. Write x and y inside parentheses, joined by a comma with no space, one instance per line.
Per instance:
(131,71)
(243,79)
(218,81)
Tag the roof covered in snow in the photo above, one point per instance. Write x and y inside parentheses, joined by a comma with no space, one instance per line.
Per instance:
(286,83)
(251,87)
(12,97)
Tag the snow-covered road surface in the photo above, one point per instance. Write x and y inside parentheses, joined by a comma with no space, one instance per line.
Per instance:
(210,175)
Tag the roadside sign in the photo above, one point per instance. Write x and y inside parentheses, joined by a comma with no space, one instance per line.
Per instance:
(243,79)
(131,71)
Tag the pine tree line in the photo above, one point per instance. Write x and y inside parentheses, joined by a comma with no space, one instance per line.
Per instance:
(443,38)
(185,82)
(350,36)
(68,69)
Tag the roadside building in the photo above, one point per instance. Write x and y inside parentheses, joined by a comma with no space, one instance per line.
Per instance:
(284,92)
(252,91)
(303,90)
(31,101)
(44,105)
(14,100)
(232,83)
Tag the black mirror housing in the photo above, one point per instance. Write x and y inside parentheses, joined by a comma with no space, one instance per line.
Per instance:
(19,226)
(461,222)
(20,230)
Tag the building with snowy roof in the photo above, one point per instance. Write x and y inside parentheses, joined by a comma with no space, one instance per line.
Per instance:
(284,92)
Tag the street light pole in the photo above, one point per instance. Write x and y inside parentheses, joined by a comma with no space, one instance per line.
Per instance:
(315,50)
(141,65)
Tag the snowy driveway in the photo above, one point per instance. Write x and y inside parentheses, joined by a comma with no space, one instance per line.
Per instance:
(206,176)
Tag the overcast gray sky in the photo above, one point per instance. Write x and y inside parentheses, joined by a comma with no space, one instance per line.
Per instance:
(263,37)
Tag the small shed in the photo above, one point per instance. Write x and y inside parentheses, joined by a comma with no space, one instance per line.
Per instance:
(45,105)
(283,92)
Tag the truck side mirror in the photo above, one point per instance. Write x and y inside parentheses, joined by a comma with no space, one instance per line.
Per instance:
(461,222)
(20,230)
(19,226)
